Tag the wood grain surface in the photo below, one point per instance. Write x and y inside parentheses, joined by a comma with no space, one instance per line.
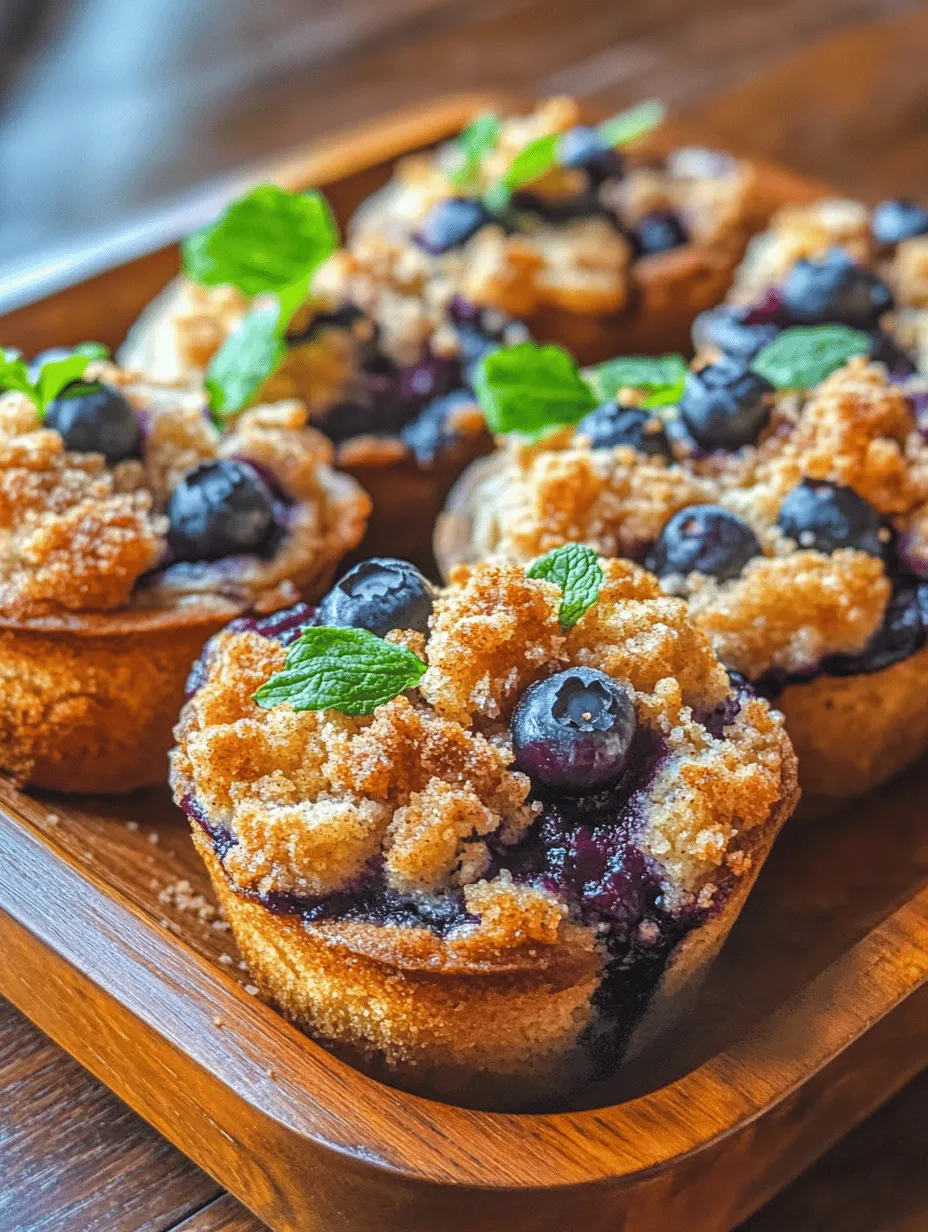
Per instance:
(826,87)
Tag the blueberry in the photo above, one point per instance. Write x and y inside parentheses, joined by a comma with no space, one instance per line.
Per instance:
(219,509)
(429,378)
(887,351)
(379,594)
(574,731)
(342,318)
(725,405)
(730,328)
(900,635)
(834,290)
(556,209)
(95,418)
(583,148)
(610,425)
(451,222)
(659,231)
(433,428)
(826,516)
(704,539)
(473,345)
(895,221)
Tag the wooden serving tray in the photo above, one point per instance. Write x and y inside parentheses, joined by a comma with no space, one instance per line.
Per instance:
(815,1013)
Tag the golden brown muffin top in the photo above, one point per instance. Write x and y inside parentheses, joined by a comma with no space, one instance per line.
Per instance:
(313,797)
(77,535)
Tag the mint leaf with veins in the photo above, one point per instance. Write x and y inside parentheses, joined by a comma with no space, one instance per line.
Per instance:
(473,144)
(530,389)
(633,124)
(247,358)
(804,355)
(575,568)
(348,670)
(662,377)
(267,240)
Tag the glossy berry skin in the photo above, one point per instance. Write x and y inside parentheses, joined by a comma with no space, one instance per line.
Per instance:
(827,516)
(895,221)
(659,231)
(901,634)
(705,539)
(379,594)
(95,418)
(731,329)
(583,148)
(834,290)
(725,405)
(219,509)
(433,429)
(611,425)
(451,222)
(574,731)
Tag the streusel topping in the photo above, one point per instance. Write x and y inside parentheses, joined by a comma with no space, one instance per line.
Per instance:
(425,785)
(77,535)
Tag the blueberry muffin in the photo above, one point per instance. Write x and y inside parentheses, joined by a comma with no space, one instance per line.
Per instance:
(131,529)
(546,219)
(382,370)
(832,262)
(480,842)
(792,521)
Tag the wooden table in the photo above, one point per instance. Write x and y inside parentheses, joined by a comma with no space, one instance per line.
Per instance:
(837,89)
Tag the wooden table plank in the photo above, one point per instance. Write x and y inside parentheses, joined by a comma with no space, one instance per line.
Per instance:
(73,1158)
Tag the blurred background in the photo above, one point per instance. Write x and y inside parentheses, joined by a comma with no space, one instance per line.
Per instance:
(112,107)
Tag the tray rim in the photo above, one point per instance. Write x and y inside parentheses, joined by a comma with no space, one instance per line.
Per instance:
(719,1087)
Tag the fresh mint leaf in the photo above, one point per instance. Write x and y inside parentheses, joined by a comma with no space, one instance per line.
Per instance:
(575,568)
(528,388)
(662,377)
(268,240)
(246,359)
(633,124)
(473,144)
(804,355)
(14,375)
(531,163)
(55,375)
(349,670)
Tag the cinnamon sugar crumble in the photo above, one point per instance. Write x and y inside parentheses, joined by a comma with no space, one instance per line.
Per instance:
(76,535)
(313,797)
(791,606)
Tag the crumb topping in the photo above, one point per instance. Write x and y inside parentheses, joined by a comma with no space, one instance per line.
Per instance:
(790,607)
(77,535)
(424,788)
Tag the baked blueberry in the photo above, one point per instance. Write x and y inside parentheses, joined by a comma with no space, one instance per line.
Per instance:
(887,351)
(827,516)
(218,509)
(434,426)
(733,331)
(450,223)
(835,290)
(574,731)
(704,539)
(610,425)
(95,418)
(582,147)
(895,221)
(725,405)
(379,594)
(659,231)
(901,634)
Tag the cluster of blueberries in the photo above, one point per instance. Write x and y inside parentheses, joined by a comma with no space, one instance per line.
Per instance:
(452,222)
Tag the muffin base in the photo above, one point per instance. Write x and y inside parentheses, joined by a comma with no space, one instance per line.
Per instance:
(852,733)
(499,1034)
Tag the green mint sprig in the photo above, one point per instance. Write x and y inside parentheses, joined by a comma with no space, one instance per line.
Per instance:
(53,377)
(575,568)
(804,355)
(661,377)
(530,389)
(541,155)
(267,240)
(473,144)
(349,670)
